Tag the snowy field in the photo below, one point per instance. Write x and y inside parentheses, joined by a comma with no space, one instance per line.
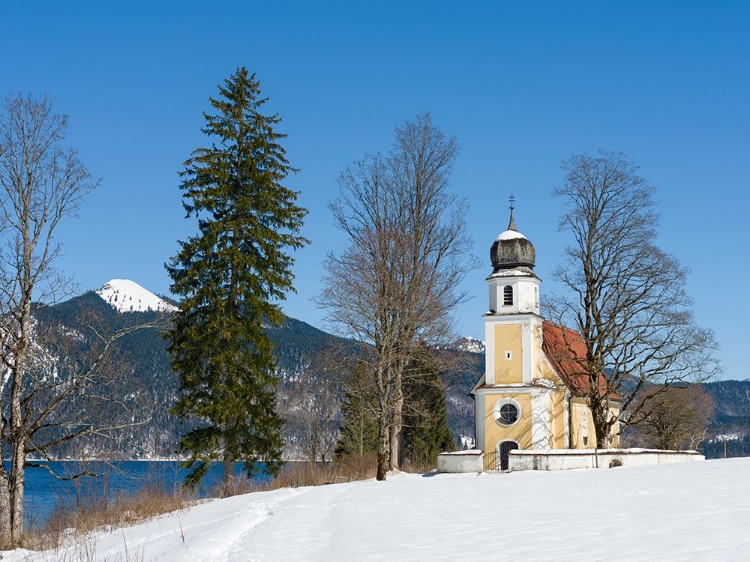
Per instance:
(695,511)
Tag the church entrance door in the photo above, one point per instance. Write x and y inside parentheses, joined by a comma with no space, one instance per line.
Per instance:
(504,449)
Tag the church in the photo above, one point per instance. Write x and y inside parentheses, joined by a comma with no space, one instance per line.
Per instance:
(532,394)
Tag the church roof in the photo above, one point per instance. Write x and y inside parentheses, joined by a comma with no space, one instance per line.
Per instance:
(566,351)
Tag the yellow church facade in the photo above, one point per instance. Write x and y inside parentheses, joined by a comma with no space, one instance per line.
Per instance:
(529,397)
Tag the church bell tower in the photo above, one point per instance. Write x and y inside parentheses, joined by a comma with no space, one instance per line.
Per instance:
(513,312)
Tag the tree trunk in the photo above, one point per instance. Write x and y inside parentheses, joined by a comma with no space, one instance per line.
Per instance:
(600,418)
(227,477)
(398,413)
(17,488)
(383,449)
(6,541)
(16,484)
(396,433)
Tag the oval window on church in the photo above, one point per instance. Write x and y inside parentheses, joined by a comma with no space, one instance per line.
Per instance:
(507,412)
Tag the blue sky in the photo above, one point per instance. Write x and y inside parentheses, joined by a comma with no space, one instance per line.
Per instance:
(522,85)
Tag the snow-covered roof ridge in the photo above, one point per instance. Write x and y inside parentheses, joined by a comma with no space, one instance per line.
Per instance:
(128,296)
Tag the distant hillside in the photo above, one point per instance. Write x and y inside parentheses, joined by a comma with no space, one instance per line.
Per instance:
(308,388)
(730,429)
(301,366)
(732,399)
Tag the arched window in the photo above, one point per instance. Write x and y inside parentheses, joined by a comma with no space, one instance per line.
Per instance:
(508,295)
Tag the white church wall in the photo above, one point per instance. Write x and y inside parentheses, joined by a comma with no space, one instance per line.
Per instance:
(528,296)
(540,421)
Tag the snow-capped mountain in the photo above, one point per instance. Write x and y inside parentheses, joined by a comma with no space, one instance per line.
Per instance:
(467,344)
(128,296)
(472,345)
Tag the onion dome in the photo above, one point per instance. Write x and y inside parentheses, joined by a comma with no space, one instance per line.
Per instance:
(512,250)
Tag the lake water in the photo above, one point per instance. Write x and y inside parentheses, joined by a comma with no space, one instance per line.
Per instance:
(44,492)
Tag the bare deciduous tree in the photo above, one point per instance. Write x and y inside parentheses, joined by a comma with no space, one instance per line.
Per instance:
(677,417)
(624,295)
(44,370)
(397,280)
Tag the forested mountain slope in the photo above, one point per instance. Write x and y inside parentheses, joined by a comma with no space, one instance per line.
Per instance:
(310,390)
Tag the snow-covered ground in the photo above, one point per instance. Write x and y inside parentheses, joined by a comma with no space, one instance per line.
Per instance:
(694,511)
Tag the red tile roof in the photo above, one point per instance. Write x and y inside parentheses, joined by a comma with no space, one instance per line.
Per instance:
(566,351)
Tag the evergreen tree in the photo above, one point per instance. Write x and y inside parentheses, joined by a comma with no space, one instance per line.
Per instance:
(358,435)
(231,277)
(426,431)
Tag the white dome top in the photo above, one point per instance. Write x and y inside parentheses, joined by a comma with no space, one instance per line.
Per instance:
(509,235)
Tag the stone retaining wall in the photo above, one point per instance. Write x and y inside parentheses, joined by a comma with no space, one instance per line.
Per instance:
(589,458)
(461,461)
(565,459)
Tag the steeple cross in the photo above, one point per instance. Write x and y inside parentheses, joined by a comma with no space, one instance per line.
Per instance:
(512,222)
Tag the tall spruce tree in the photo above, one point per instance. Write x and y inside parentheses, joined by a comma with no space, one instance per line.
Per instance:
(230,279)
